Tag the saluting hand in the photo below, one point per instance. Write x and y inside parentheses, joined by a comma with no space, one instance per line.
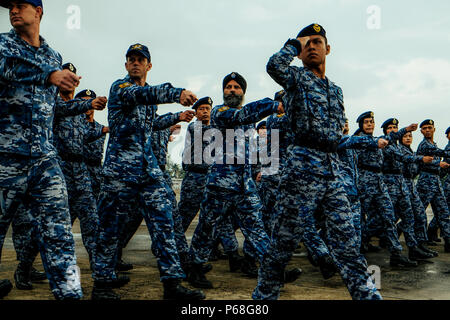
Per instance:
(187,116)
(382,143)
(188,98)
(65,80)
(412,127)
(99,103)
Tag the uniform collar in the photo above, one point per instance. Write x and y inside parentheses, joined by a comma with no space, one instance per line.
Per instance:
(324,83)
(13,33)
(128,79)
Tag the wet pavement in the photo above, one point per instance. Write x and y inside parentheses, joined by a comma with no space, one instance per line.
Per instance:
(429,281)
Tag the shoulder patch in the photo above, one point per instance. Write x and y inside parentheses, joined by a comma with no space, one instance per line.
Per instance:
(125,85)
(224,109)
(281,115)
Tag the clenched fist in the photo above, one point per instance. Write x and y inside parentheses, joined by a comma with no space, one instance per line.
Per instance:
(187,98)
(99,103)
(427,159)
(65,80)
(382,143)
(187,116)
(412,127)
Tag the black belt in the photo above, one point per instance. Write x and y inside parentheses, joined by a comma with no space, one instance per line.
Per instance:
(398,171)
(370,168)
(70,157)
(435,172)
(93,163)
(317,145)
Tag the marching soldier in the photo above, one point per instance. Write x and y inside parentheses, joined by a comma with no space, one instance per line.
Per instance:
(310,176)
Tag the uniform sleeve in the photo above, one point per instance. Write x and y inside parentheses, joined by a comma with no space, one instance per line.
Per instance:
(279,67)
(358,142)
(131,94)
(166,121)
(93,133)
(253,112)
(71,108)
(401,156)
(431,150)
(396,136)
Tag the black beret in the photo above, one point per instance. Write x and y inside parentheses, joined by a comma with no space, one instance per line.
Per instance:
(69,66)
(313,30)
(236,77)
(447,132)
(261,124)
(365,115)
(427,122)
(279,96)
(387,123)
(86,93)
(202,101)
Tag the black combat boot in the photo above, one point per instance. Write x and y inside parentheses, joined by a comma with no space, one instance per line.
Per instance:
(398,260)
(292,275)
(5,288)
(447,245)
(235,261)
(173,290)
(415,253)
(22,277)
(327,267)
(121,265)
(433,235)
(424,248)
(249,267)
(121,281)
(37,275)
(197,278)
(216,253)
(103,291)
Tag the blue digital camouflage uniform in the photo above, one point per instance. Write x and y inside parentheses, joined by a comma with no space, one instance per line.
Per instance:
(133,179)
(394,158)
(310,179)
(93,157)
(71,136)
(194,184)
(29,171)
(375,194)
(410,172)
(230,189)
(446,180)
(430,188)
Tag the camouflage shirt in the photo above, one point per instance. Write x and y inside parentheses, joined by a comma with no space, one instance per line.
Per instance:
(131,115)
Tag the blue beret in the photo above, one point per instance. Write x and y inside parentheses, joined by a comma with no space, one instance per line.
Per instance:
(236,77)
(447,132)
(388,122)
(279,96)
(313,30)
(202,101)
(36,3)
(261,124)
(140,49)
(427,122)
(86,93)
(365,115)
(69,66)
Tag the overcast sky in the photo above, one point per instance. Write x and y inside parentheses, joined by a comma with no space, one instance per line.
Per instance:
(397,65)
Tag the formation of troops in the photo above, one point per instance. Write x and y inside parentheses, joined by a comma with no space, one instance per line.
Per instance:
(333,193)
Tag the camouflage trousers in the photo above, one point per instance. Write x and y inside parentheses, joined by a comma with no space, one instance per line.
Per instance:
(39,185)
(376,206)
(192,192)
(431,192)
(95,174)
(217,205)
(268,194)
(401,202)
(420,215)
(82,202)
(150,197)
(24,240)
(301,194)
